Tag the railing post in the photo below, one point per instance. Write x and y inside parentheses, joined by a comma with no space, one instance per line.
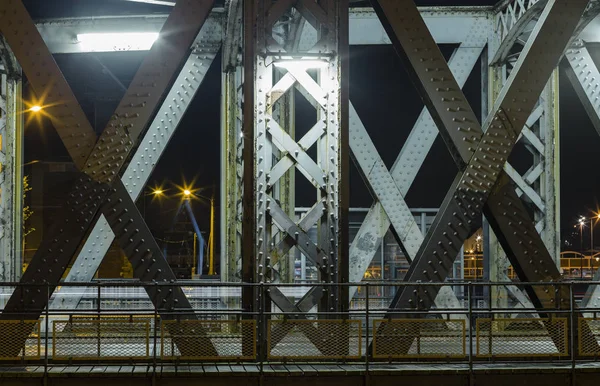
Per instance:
(470,311)
(46,323)
(98,325)
(262,349)
(154,339)
(367,326)
(572,324)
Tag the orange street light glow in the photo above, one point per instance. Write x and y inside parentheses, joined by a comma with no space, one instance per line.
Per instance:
(187,192)
(35,109)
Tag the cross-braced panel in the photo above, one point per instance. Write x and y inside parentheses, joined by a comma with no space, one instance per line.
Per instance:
(481,184)
(281,70)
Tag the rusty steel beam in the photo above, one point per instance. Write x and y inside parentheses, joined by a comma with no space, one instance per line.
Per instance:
(100,180)
(480,155)
(249,294)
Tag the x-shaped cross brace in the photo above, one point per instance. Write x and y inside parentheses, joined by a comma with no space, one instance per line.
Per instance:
(99,187)
(481,184)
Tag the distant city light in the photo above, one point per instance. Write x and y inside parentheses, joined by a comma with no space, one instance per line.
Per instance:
(187,192)
(35,109)
(157,192)
(107,42)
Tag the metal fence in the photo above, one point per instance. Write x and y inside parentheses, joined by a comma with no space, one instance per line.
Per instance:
(219,330)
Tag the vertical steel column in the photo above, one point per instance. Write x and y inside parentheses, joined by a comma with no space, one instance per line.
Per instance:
(315,72)
(232,176)
(248,219)
(11,178)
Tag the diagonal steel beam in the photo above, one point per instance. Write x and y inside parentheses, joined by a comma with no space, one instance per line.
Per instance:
(585,78)
(138,171)
(388,194)
(461,212)
(404,170)
(99,180)
(462,208)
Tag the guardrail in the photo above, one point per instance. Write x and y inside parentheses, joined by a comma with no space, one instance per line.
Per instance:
(483,329)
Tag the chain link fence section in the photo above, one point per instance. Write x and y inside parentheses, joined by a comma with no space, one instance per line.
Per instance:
(127,318)
(100,339)
(432,338)
(522,337)
(225,335)
(31,350)
(588,344)
(290,340)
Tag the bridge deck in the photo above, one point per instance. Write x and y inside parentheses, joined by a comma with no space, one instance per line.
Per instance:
(313,374)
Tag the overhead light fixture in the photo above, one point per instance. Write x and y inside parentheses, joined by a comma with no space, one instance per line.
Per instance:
(108,42)
(300,64)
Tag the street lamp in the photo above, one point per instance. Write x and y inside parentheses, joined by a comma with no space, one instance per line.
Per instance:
(187,194)
(35,108)
(581,225)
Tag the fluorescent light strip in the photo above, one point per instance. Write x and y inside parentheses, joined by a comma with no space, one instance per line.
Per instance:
(109,42)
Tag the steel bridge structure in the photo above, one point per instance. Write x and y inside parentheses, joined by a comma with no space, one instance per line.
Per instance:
(272,52)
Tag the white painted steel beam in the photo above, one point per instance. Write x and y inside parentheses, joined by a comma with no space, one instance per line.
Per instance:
(449,25)
(405,169)
(389,196)
(143,162)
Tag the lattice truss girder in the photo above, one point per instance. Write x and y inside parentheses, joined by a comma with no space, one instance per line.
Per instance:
(514,21)
(481,186)
(278,152)
(100,188)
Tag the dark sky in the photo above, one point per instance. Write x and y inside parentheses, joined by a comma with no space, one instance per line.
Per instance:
(379,88)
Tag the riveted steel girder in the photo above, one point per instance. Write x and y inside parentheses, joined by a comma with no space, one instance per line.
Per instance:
(99,184)
(484,153)
(585,78)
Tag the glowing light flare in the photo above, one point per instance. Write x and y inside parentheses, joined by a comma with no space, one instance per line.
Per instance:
(187,192)
(35,108)
(107,42)
(300,64)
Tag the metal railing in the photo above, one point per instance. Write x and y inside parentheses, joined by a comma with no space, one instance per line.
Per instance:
(219,330)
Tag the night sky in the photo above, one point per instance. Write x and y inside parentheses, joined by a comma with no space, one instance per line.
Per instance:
(380,90)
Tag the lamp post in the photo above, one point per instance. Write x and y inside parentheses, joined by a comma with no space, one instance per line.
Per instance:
(581,224)
(187,194)
(596,218)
